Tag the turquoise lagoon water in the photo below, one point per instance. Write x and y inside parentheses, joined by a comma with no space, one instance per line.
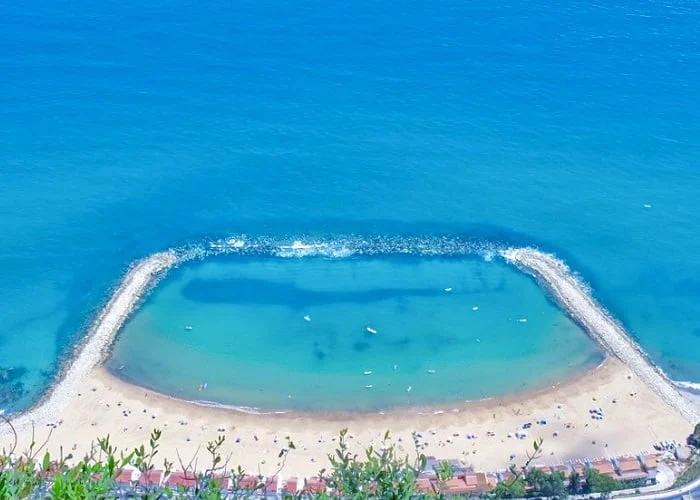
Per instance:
(282,333)
(128,128)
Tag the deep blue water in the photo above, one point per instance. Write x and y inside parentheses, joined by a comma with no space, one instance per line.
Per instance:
(128,128)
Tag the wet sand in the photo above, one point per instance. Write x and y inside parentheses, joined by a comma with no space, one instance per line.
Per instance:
(634,418)
(640,404)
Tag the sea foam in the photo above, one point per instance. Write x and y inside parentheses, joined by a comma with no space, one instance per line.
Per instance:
(573,295)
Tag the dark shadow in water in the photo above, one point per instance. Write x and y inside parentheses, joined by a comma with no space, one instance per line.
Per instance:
(361,346)
(11,385)
(263,292)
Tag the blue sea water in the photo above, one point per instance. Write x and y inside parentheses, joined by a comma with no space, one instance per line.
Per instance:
(348,334)
(130,128)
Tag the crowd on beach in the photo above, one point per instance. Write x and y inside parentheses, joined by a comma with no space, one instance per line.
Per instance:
(587,417)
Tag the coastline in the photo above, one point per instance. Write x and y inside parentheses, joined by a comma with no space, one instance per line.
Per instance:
(345,416)
(576,301)
(92,350)
(481,434)
(642,406)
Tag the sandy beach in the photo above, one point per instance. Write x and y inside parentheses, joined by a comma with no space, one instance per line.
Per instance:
(634,418)
(639,404)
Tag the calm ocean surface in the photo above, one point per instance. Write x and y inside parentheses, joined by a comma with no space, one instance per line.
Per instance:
(130,128)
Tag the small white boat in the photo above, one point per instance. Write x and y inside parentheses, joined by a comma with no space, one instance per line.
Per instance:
(475,308)
(431,372)
(369,386)
(371,330)
(449,289)
(367,372)
(396,367)
(409,388)
(307,318)
(188,328)
(647,205)
(522,320)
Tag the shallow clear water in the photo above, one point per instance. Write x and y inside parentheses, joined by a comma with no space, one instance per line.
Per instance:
(251,344)
(128,128)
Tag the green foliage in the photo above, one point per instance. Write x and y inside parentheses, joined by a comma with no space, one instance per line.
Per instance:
(516,486)
(376,473)
(511,489)
(381,474)
(691,473)
(601,483)
(544,484)
(574,483)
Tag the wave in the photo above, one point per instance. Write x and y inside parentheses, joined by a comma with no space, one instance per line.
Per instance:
(691,387)
(567,288)
(343,247)
(249,410)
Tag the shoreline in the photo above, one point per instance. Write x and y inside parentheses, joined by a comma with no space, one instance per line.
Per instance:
(344,415)
(658,410)
(91,351)
(482,434)
(596,321)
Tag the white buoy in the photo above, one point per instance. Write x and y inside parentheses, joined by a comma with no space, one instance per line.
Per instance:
(409,388)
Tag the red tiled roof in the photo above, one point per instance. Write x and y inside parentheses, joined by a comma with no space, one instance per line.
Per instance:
(604,467)
(469,482)
(506,475)
(152,477)
(562,468)
(271,485)
(291,485)
(650,461)
(178,478)
(248,482)
(491,480)
(424,485)
(314,485)
(580,468)
(455,486)
(124,476)
(628,464)
(477,483)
